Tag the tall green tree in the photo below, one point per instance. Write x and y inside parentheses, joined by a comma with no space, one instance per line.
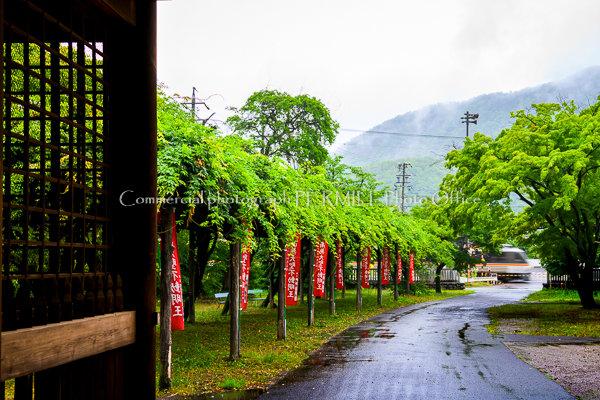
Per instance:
(550,161)
(295,128)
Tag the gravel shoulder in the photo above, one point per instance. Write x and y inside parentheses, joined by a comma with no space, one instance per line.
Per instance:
(574,366)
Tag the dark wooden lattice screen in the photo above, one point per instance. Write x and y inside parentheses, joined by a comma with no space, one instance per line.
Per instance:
(55,143)
(55,220)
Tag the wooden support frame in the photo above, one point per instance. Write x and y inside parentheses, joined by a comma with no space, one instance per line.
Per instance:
(23,353)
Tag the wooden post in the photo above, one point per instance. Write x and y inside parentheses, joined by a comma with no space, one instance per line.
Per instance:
(192,276)
(548,280)
(343,274)
(234,303)
(396,275)
(134,229)
(281,325)
(407,269)
(332,263)
(166,262)
(311,297)
(358,280)
(1,181)
(1,184)
(379,278)
(301,282)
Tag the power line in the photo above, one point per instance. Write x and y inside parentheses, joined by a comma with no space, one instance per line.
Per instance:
(402,134)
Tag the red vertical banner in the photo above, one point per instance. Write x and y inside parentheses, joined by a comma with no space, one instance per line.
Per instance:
(411,266)
(385,266)
(399,269)
(292,272)
(320,269)
(365,267)
(339,266)
(244,275)
(176,292)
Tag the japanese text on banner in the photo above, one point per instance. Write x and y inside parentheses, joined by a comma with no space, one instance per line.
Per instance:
(385,266)
(399,269)
(411,266)
(176,292)
(320,268)
(244,275)
(365,267)
(339,266)
(292,272)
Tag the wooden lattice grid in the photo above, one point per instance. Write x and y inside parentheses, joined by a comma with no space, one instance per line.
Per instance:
(55,133)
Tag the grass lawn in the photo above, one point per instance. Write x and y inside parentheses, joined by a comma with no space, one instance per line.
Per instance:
(550,312)
(200,351)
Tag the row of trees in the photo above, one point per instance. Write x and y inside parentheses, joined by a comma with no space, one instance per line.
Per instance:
(549,162)
(234,186)
(270,180)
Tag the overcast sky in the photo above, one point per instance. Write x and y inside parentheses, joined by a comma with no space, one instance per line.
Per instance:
(371,61)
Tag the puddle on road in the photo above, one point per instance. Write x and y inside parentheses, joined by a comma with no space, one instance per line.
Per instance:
(241,395)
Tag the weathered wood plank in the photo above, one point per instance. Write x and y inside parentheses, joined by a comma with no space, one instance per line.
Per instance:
(23,352)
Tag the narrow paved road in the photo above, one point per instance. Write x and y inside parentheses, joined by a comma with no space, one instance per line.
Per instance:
(438,350)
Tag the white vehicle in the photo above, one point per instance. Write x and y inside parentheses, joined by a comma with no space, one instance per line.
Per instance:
(511,264)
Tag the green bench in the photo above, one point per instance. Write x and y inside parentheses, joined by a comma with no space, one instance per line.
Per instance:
(255,291)
(252,291)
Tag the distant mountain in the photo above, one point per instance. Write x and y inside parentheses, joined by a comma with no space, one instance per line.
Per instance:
(443,119)
(426,174)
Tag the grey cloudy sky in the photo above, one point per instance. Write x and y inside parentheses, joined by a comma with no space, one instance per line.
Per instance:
(370,61)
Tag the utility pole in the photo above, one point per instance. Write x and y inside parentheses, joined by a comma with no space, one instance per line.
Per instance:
(470,119)
(201,102)
(404,182)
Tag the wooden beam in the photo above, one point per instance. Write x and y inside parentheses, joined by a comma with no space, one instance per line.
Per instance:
(118,8)
(25,351)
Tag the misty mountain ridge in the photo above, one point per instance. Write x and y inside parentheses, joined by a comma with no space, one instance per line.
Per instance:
(443,119)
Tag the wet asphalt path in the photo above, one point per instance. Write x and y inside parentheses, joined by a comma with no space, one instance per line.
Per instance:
(437,350)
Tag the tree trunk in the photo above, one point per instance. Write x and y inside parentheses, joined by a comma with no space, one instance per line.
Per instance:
(583,278)
(192,276)
(311,298)
(206,243)
(332,285)
(407,271)
(584,284)
(227,283)
(438,279)
(358,280)
(379,278)
(272,286)
(281,331)
(234,303)
(166,261)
